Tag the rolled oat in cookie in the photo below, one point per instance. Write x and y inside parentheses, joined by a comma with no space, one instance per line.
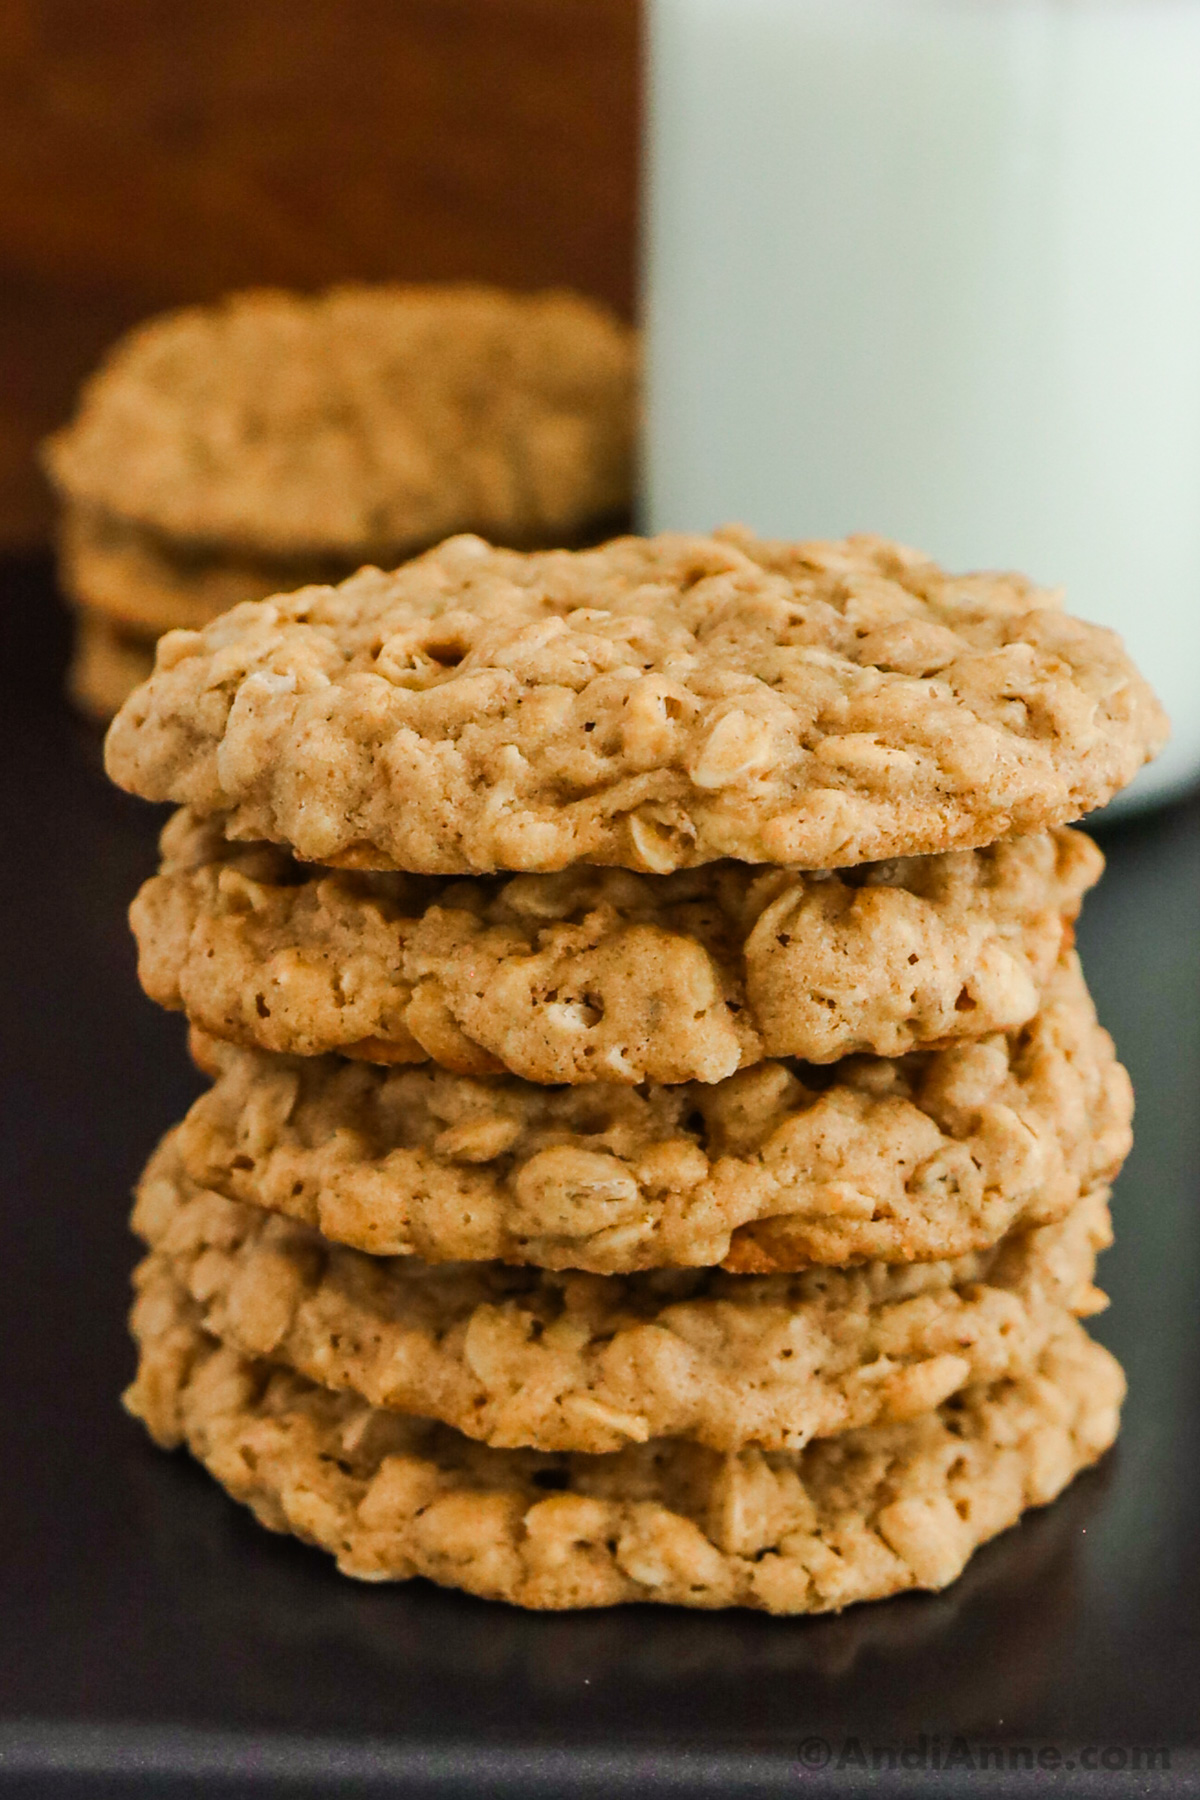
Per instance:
(654,704)
(780,1166)
(359,424)
(600,974)
(521,1358)
(856,1517)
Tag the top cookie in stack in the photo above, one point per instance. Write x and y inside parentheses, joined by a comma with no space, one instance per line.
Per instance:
(654,704)
(680,903)
(225,452)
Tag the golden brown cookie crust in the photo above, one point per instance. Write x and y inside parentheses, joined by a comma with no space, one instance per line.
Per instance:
(361,423)
(521,1358)
(852,1518)
(652,704)
(780,1166)
(603,975)
(106,665)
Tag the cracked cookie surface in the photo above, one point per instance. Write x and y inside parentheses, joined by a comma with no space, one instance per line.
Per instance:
(851,1518)
(521,1358)
(656,703)
(603,975)
(360,423)
(780,1166)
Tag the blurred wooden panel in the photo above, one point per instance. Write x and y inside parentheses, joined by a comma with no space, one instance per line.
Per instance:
(153,152)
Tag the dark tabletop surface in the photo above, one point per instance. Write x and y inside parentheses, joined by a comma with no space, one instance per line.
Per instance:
(153,1639)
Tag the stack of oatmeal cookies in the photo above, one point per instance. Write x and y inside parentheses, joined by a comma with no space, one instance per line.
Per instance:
(225,453)
(659,1135)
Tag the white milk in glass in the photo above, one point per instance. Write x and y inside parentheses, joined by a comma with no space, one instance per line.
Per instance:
(932,268)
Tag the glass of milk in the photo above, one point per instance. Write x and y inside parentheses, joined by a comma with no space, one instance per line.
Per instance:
(932,268)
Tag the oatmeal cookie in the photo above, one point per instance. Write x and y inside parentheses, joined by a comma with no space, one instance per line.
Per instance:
(780,1166)
(521,1358)
(107,663)
(359,424)
(600,974)
(653,704)
(142,583)
(850,1518)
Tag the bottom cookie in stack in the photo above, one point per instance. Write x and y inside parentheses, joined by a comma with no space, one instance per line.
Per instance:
(856,1517)
(793,1443)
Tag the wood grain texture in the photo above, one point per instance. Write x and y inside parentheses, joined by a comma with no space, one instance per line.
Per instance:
(152,153)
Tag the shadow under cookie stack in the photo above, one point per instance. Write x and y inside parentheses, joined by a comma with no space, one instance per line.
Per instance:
(659,1136)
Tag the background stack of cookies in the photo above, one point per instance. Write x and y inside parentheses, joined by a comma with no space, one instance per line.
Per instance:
(229,452)
(659,1137)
